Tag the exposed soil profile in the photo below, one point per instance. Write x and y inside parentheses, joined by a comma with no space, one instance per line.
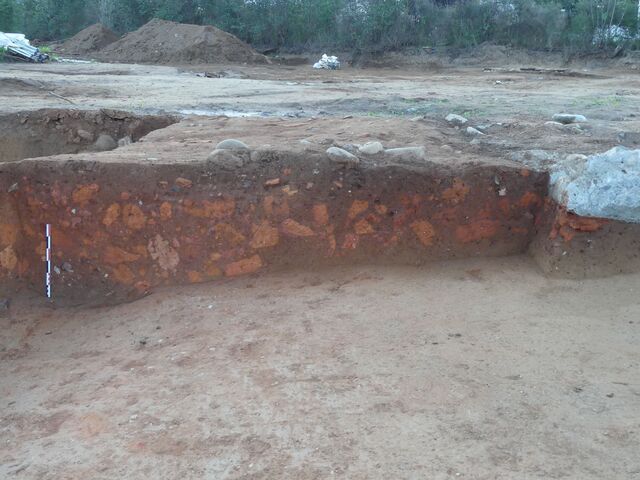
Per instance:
(49,132)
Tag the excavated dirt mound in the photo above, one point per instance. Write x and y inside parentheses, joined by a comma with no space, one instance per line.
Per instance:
(160,41)
(91,39)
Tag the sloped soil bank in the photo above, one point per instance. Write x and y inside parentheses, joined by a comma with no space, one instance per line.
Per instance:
(52,132)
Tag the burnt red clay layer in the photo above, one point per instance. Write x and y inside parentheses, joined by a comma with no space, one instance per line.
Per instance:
(571,246)
(119,230)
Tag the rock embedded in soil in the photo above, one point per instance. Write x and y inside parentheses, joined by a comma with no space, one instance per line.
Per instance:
(341,156)
(184,182)
(536,158)
(407,153)
(226,158)
(371,148)
(573,128)
(474,132)
(605,185)
(84,135)
(456,120)
(105,143)
(349,147)
(568,118)
(232,144)
(124,141)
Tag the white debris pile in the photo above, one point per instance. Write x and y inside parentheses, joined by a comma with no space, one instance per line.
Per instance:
(17,45)
(614,34)
(327,63)
(9,39)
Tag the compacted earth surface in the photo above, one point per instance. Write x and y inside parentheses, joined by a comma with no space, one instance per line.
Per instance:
(478,369)
(404,366)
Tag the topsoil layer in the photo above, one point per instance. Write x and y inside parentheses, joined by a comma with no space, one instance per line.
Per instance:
(164,42)
(91,39)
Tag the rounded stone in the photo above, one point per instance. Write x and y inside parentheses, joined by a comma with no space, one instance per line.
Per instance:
(567,118)
(225,158)
(407,153)
(105,143)
(371,148)
(232,144)
(474,132)
(457,120)
(340,155)
(84,135)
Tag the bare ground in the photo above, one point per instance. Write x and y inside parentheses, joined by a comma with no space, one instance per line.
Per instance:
(514,104)
(603,94)
(480,369)
(477,369)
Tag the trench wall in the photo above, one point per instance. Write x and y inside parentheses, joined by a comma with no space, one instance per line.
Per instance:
(11,238)
(571,246)
(47,132)
(120,230)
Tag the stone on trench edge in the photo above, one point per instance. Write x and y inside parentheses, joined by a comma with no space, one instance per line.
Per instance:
(567,118)
(605,185)
(371,148)
(339,155)
(232,144)
(456,120)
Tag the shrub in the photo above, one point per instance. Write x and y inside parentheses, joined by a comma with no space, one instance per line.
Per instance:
(597,24)
(363,25)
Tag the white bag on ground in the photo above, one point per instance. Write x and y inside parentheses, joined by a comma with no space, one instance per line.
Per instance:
(327,63)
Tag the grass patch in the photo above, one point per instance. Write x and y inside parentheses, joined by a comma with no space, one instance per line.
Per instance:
(607,101)
(48,51)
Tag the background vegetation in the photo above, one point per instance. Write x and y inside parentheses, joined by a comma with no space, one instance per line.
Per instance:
(368,25)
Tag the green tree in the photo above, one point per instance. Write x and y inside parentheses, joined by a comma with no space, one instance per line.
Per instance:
(7,15)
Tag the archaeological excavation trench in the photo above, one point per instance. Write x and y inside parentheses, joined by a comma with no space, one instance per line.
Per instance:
(163,210)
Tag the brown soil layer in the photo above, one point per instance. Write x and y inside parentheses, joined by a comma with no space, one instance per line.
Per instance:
(49,132)
(90,40)
(164,42)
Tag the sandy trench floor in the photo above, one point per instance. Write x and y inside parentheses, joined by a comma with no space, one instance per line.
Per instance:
(477,369)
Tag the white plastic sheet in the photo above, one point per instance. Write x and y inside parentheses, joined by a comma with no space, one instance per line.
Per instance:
(10,39)
(327,63)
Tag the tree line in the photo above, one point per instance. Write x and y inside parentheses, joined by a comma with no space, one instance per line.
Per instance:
(368,25)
